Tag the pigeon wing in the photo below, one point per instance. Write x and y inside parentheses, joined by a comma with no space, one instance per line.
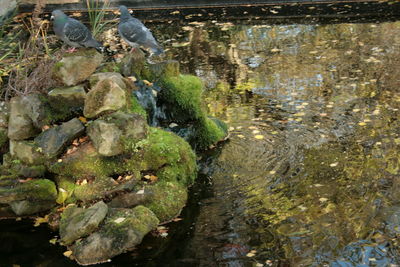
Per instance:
(76,32)
(133,31)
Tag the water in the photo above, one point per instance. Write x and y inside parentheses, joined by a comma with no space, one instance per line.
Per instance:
(310,175)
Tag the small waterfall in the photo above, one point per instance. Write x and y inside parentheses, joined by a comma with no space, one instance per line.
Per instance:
(147,97)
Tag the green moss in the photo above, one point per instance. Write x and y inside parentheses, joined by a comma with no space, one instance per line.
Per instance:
(208,132)
(38,189)
(168,199)
(135,107)
(57,66)
(182,94)
(110,67)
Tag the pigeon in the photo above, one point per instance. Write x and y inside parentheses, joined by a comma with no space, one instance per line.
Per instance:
(73,32)
(136,34)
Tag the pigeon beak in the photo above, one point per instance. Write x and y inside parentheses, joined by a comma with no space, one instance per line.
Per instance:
(130,11)
(52,17)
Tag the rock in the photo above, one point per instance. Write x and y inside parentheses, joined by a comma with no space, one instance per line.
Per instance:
(28,207)
(106,137)
(67,97)
(109,94)
(27,116)
(109,135)
(4,113)
(34,171)
(113,76)
(80,222)
(29,197)
(76,68)
(134,64)
(129,200)
(167,199)
(55,139)
(122,231)
(26,151)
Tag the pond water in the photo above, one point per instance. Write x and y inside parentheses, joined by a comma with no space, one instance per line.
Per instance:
(310,174)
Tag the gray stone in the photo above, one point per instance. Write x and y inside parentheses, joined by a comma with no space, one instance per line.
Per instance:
(28,207)
(106,137)
(108,95)
(122,230)
(128,200)
(109,134)
(76,68)
(167,68)
(54,140)
(114,76)
(4,113)
(35,171)
(133,63)
(6,7)
(26,151)
(80,222)
(27,115)
(67,97)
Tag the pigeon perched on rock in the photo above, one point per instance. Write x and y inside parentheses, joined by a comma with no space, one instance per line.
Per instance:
(136,34)
(73,32)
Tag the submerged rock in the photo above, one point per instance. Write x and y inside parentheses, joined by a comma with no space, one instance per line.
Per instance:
(108,94)
(110,134)
(80,222)
(122,230)
(27,116)
(55,139)
(76,68)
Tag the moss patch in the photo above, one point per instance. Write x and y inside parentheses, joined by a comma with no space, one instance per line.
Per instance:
(182,94)
(168,199)
(208,132)
(135,107)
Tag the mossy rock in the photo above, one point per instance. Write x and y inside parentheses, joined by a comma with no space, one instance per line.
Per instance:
(182,95)
(167,199)
(208,132)
(121,231)
(136,108)
(30,197)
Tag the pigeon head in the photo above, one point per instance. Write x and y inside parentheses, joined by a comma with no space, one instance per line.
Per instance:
(125,14)
(58,14)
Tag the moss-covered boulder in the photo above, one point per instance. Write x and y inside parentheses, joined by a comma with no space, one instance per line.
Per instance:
(122,230)
(75,68)
(108,94)
(182,97)
(80,222)
(29,197)
(111,132)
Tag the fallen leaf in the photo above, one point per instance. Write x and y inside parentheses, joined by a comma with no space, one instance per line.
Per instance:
(334,164)
(82,119)
(259,136)
(41,220)
(140,192)
(323,199)
(67,253)
(119,220)
(53,241)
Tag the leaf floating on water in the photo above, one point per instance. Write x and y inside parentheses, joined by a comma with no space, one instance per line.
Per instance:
(356,110)
(272,172)
(53,241)
(334,164)
(240,136)
(67,253)
(255,131)
(259,136)
(41,220)
(259,264)
(119,220)
(362,123)
(299,114)
(323,114)
(274,50)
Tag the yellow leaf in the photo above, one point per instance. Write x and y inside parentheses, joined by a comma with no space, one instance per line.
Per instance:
(67,253)
(53,241)
(119,220)
(41,220)
(259,136)
(82,119)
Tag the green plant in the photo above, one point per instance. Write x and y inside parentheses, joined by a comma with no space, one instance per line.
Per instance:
(96,13)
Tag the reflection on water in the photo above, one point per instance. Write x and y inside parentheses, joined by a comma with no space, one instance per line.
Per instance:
(310,175)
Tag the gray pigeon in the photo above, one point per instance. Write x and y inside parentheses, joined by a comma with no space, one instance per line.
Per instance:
(73,32)
(136,34)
